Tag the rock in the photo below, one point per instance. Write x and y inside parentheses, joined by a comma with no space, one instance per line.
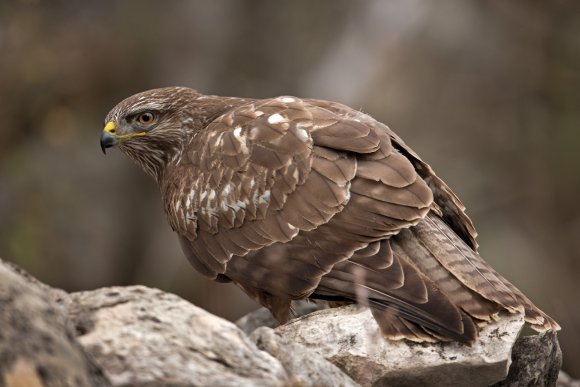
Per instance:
(145,336)
(142,336)
(350,338)
(262,317)
(305,367)
(536,361)
(37,344)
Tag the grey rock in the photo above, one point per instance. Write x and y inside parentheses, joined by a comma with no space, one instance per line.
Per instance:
(37,344)
(536,361)
(305,367)
(143,336)
(350,338)
(262,317)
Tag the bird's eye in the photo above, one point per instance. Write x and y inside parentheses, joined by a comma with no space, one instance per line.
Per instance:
(146,118)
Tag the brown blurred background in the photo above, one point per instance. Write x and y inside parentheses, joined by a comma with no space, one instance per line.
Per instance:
(488,92)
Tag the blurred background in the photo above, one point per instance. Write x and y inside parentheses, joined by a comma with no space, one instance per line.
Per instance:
(488,92)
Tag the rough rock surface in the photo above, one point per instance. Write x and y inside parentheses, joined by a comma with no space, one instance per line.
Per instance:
(349,337)
(536,361)
(142,336)
(37,345)
(306,367)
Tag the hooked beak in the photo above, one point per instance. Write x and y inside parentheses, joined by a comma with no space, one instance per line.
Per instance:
(108,137)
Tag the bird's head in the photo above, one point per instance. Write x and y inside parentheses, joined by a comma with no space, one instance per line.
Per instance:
(150,127)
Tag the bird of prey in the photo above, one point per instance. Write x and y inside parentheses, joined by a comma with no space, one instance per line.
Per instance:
(293,198)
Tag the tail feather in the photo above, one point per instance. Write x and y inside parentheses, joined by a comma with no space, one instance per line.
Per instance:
(473,272)
(464,263)
(538,320)
(427,284)
(469,301)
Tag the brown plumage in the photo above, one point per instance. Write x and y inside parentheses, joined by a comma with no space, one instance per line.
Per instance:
(289,198)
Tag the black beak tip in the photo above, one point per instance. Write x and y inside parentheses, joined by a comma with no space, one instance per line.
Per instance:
(107,141)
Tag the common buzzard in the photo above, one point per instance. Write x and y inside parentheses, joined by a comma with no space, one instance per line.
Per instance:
(294,198)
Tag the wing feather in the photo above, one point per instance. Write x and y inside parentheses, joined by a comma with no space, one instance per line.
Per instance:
(358,227)
(257,178)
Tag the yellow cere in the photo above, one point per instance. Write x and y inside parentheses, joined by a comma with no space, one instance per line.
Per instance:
(110,127)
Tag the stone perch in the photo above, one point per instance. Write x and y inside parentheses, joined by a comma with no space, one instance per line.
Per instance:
(136,335)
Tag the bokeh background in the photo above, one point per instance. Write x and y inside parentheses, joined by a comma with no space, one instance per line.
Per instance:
(488,92)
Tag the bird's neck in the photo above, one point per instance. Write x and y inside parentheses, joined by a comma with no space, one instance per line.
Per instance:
(154,155)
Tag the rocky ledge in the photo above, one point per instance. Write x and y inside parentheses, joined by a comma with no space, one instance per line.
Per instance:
(127,336)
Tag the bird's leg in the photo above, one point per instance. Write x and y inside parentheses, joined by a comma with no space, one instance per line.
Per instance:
(278,306)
